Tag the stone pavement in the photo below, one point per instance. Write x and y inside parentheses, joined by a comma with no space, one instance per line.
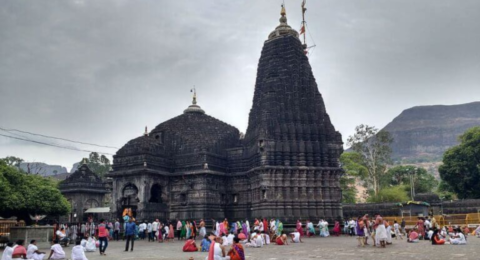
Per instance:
(313,248)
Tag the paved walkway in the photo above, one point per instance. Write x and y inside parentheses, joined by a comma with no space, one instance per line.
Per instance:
(312,248)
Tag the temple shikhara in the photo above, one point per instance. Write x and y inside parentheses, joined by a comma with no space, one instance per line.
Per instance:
(286,165)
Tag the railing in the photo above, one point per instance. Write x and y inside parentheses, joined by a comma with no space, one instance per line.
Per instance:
(6,224)
(472,219)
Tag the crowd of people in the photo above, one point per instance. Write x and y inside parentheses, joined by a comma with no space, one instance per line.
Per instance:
(228,239)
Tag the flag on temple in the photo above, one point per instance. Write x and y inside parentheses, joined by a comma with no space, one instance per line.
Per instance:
(302,30)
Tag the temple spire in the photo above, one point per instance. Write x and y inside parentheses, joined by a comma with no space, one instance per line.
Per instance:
(146,131)
(194,101)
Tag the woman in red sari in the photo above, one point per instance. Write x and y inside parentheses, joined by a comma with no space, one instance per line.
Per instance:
(190,245)
(336,229)
(236,252)
(299,227)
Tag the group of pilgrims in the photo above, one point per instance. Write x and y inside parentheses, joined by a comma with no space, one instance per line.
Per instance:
(228,240)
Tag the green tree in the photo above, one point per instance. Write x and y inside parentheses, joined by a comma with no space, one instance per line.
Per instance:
(23,194)
(374,147)
(461,165)
(12,161)
(352,165)
(99,164)
(407,175)
(390,194)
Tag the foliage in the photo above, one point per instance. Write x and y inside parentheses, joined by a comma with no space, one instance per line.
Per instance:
(352,165)
(12,161)
(390,194)
(461,165)
(374,147)
(423,181)
(98,164)
(23,194)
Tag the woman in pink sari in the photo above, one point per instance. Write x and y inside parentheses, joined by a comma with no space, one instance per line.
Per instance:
(421,228)
(171,233)
(336,229)
(299,227)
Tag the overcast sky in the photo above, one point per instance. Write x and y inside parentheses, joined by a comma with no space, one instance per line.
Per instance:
(100,71)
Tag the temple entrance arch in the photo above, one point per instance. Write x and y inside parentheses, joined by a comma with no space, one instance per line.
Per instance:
(156,194)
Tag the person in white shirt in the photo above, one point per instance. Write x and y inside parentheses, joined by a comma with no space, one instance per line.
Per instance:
(255,241)
(62,238)
(429,234)
(56,251)
(396,229)
(219,250)
(224,241)
(155,226)
(260,227)
(150,232)
(77,252)
(141,230)
(458,238)
(295,236)
(91,245)
(8,252)
(166,232)
(248,226)
(230,238)
(83,243)
(33,253)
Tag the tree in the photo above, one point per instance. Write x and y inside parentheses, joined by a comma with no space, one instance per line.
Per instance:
(461,165)
(99,164)
(374,147)
(407,175)
(353,169)
(390,194)
(12,161)
(24,194)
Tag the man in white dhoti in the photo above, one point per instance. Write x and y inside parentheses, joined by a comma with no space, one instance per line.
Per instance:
(7,253)
(380,231)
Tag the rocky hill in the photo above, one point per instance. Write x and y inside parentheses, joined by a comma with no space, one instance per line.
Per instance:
(423,133)
(42,169)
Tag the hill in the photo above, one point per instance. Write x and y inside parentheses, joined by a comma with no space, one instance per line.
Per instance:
(423,133)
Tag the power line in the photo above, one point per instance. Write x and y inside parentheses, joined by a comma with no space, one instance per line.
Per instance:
(58,138)
(54,145)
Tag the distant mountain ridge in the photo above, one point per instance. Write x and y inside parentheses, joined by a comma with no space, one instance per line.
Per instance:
(42,169)
(423,133)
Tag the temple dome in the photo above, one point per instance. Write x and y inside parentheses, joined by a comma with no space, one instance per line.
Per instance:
(194,131)
(140,145)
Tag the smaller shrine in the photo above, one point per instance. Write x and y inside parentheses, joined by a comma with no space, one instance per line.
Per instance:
(84,190)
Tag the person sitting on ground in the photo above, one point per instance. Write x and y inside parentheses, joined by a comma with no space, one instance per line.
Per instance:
(458,238)
(282,240)
(19,251)
(266,238)
(91,245)
(477,231)
(236,252)
(62,238)
(56,251)
(8,251)
(83,243)
(205,244)
(255,241)
(430,234)
(413,236)
(78,253)
(32,251)
(435,237)
(190,245)
(216,251)
(296,238)
(230,239)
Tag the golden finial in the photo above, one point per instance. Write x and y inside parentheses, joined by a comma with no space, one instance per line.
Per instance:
(194,101)
(84,161)
(283,12)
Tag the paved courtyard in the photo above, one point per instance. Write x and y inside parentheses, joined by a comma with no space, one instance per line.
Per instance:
(313,248)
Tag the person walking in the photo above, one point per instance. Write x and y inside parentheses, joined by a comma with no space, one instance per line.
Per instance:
(116,233)
(102,237)
(130,233)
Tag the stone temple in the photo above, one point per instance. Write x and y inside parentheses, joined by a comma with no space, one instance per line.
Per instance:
(195,166)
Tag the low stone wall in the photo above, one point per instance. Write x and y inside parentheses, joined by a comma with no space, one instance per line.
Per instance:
(42,234)
(356,210)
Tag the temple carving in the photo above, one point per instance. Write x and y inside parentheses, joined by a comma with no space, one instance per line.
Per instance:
(286,165)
